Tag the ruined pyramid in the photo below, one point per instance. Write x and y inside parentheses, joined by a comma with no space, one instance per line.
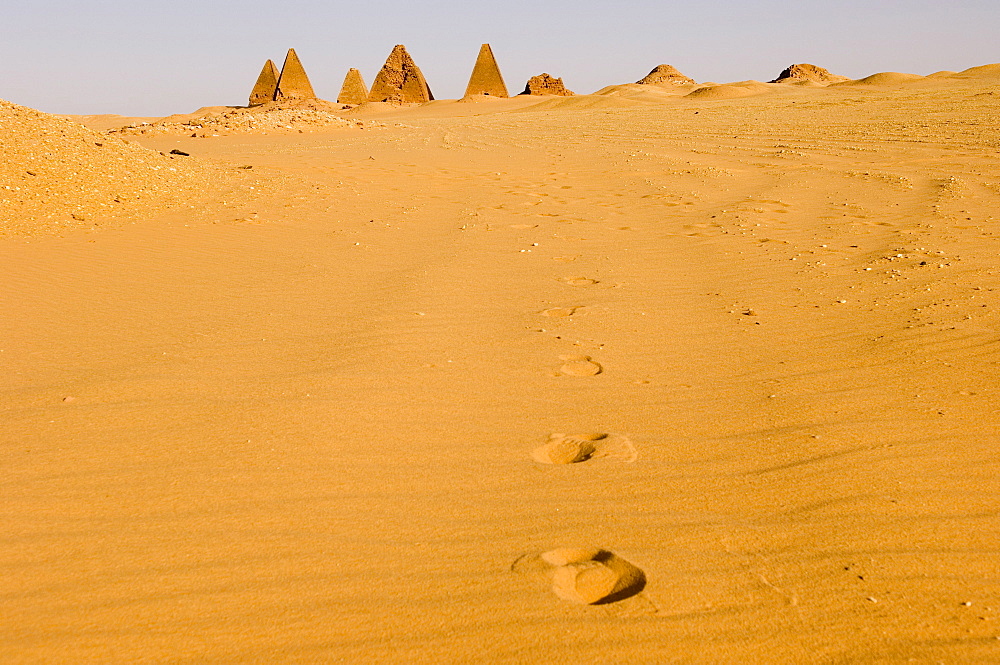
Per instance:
(400,80)
(807,72)
(544,84)
(662,74)
(486,78)
(266,86)
(293,82)
(354,90)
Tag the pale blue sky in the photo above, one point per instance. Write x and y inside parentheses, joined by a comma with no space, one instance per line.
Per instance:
(173,56)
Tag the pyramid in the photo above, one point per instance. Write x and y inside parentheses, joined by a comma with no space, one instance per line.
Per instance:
(400,80)
(807,72)
(665,74)
(486,78)
(266,85)
(544,84)
(354,90)
(293,82)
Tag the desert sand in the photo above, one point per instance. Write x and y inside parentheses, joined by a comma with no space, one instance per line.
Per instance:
(643,376)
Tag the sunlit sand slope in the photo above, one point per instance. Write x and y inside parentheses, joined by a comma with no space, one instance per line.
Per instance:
(706,381)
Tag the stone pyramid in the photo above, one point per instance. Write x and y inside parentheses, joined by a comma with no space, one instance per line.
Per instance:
(807,72)
(354,90)
(293,82)
(665,74)
(266,85)
(400,80)
(544,84)
(486,78)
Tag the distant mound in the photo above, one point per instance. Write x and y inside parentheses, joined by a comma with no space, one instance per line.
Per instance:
(665,74)
(59,173)
(199,113)
(301,115)
(645,93)
(376,108)
(479,99)
(807,72)
(544,84)
(730,90)
(983,72)
(583,102)
(886,78)
(105,121)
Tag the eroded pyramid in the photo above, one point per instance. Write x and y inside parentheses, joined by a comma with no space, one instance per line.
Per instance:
(293,82)
(662,74)
(266,85)
(354,90)
(544,84)
(486,78)
(400,80)
(807,72)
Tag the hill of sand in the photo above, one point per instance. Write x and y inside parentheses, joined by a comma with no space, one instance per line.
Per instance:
(988,72)
(653,93)
(55,172)
(885,78)
(684,381)
(105,121)
(579,102)
(730,90)
(307,115)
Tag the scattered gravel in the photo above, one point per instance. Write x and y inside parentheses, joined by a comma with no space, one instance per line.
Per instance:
(56,173)
(271,118)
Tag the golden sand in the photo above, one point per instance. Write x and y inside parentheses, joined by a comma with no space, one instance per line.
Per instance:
(293,413)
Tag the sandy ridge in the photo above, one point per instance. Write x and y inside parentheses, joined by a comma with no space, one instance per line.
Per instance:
(280,116)
(57,174)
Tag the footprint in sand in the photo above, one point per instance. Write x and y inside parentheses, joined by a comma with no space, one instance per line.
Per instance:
(559,312)
(579,366)
(578,281)
(573,448)
(584,575)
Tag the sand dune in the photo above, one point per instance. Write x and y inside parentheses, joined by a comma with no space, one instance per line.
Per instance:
(296,115)
(988,72)
(884,78)
(106,121)
(528,381)
(581,102)
(647,93)
(56,172)
(730,90)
